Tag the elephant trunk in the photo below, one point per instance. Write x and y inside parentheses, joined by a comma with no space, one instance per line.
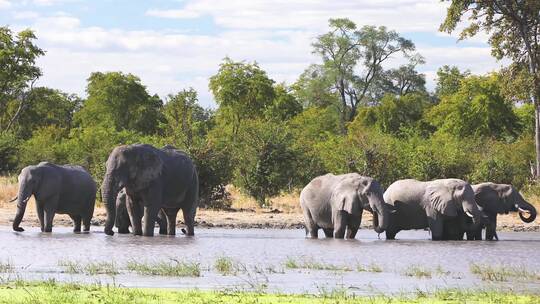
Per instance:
(380,215)
(110,190)
(22,199)
(524,207)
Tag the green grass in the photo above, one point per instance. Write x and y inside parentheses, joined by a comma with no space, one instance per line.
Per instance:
(52,292)
(311,264)
(172,269)
(6,267)
(369,268)
(92,268)
(226,266)
(502,273)
(418,272)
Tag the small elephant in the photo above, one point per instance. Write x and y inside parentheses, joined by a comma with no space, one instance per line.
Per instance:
(420,205)
(122,221)
(496,199)
(154,179)
(335,203)
(62,189)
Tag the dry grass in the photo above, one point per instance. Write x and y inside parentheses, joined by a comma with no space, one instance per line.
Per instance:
(8,189)
(285,202)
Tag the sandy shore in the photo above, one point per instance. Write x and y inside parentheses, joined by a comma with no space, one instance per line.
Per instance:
(236,218)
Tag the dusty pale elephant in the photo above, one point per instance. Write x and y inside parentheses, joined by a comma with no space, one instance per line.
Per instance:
(122,221)
(62,189)
(154,179)
(495,199)
(420,205)
(335,203)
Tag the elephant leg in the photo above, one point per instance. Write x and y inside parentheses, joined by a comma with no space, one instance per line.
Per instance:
(41,215)
(436,228)
(170,214)
(491,229)
(312,230)
(150,215)
(189,220)
(135,215)
(390,235)
(162,222)
(340,224)
(328,232)
(49,217)
(76,223)
(86,222)
(353,224)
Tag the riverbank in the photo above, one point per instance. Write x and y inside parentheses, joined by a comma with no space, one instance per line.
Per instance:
(52,292)
(244,213)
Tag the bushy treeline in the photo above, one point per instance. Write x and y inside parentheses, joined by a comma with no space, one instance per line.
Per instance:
(267,137)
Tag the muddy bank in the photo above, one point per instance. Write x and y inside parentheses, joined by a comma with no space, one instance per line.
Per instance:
(239,218)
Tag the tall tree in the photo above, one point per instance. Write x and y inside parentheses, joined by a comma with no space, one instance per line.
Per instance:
(449,80)
(514,28)
(242,91)
(120,100)
(344,47)
(18,73)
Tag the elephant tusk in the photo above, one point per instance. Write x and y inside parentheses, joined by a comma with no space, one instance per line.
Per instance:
(26,199)
(524,210)
(13,199)
(468,214)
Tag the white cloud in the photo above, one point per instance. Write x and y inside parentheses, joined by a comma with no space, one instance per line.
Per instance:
(25,15)
(4,4)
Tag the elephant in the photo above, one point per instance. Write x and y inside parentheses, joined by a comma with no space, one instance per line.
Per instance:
(335,203)
(153,179)
(496,199)
(122,221)
(420,205)
(62,189)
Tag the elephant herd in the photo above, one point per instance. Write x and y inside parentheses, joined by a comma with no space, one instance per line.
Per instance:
(449,208)
(144,185)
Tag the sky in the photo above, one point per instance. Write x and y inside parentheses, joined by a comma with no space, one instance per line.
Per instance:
(176,44)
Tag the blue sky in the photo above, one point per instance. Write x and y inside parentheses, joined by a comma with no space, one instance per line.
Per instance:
(174,44)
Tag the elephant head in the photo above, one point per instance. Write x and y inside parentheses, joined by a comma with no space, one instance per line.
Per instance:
(503,198)
(29,184)
(451,197)
(356,193)
(134,167)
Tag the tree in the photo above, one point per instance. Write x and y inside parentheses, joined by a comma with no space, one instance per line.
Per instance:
(18,73)
(284,106)
(314,88)
(404,79)
(265,160)
(344,47)
(120,100)
(185,120)
(514,28)
(478,109)
(242,91)
(449,80)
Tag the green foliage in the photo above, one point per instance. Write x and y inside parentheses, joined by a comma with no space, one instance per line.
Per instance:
(284,106)
(477,109)
(45,145)
(9,148)
(242,91)
(119,100)
(264,159)
(449,80)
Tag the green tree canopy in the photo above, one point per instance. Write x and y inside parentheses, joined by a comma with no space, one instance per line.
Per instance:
(449,80)
(120,100)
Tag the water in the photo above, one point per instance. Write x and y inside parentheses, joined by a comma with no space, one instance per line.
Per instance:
(263,253)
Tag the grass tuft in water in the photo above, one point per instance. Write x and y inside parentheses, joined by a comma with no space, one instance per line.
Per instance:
(369,268)
(502,273)
(173,268)
(418,272)
(227,266)
(309,263)
(92,268)
(6,267)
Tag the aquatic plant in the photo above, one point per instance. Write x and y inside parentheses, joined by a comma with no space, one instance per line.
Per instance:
(173,268)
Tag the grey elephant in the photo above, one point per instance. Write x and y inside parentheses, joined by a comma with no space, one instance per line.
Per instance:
(62,189)
(335,203)
(420,205)
(495,199)
(154,179)
(122,221)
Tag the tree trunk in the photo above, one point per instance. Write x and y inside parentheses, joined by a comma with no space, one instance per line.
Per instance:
(537,136)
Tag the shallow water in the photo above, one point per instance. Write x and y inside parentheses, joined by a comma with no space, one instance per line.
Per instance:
(263,253)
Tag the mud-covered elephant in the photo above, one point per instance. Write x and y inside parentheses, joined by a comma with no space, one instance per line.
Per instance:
(420,205)
(154,179)
(122,221)
(62,189)
(335,203)
(495,199)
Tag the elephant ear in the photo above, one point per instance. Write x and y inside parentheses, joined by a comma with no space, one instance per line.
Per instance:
(346,199)
(146,167)
(441,199)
